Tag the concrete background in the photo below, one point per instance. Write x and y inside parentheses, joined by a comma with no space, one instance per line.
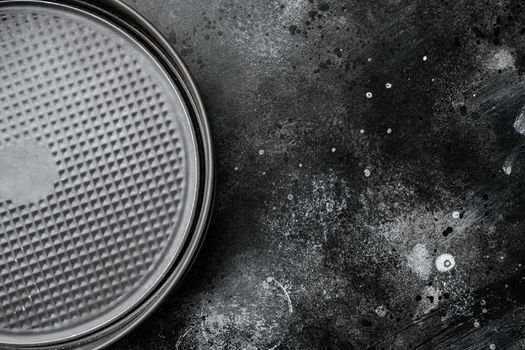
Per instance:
(357,142)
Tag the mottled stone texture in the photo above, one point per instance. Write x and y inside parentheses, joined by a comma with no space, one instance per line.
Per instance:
(357,142)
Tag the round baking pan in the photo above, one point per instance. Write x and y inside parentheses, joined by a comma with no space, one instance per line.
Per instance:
(106,172)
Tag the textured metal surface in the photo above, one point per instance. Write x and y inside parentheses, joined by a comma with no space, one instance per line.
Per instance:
(80,91)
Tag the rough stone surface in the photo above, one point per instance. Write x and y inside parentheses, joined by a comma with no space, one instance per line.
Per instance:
(356,141)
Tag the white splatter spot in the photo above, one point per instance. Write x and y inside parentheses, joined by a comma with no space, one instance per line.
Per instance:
(367,172)
(264,172)
(290,197)
(419,261)
(507,166)
(300,165)
(333,150)
(501,59)
(388,131)
(261,152)
(455,214)
(330,205)
(445,262)
(381,311)
(492,346)
(236,168)
(476,324)
(519,123)
(369,94)
(362,131)
(369,59)
(425,58)
(388,85)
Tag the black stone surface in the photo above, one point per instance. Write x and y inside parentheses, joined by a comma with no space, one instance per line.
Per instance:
(357,141)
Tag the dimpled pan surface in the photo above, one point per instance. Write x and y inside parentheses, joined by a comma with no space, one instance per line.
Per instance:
(99,173)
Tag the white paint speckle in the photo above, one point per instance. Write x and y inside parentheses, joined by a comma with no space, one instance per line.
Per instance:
(290,197)
(261,152)
(388,85)
(369,94)
(492,346)
(507,166)
(445,262)
(425,58)
(362,131)
(501,59)
(476,324)
(236,168)
(367,172)
(455,214)
(369,59)
(388,131)
(519,123)
(419,261)
(381,311)
(300,165)
(333,150)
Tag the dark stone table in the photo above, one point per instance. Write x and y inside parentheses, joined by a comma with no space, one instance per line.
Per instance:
(371,172)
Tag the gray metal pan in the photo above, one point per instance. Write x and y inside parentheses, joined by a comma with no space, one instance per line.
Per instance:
(106,172)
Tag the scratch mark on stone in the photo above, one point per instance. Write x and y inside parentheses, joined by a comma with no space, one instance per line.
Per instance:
(203,327)
(290,306)
(181,338)
(275,346)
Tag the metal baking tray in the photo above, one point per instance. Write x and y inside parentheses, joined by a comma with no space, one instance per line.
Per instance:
(106,172)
